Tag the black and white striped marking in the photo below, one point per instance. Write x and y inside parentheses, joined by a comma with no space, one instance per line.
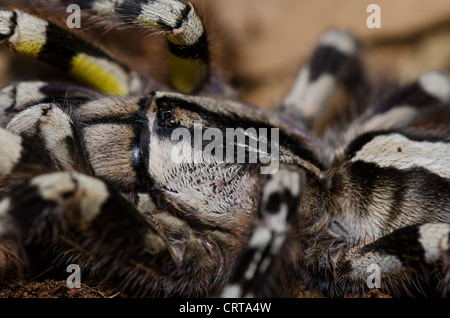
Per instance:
(319,78)
(398,151)
(10,151)
(279,205)
(429,92)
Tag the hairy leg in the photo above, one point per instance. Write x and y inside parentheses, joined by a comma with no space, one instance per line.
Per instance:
(257,268)
(79,219)
(398,263)
(88,64)
(177,20)
(335,62)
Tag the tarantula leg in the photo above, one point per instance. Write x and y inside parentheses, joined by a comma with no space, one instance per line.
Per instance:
(178,21)
(82,221)
(21,160)
(414,101)
(401,259)
(40,136)
(16,97)
(78,129)
(49,127)
(45,41)
(335,61)
(276,215)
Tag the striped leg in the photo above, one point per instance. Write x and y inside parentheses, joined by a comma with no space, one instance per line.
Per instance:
(258,264)
(334,62)
(52,131)
(398,263)
(387,185)
(74,129)
(21,160)
(17,97)
(88,64)
(177,20)
(414,101)
(36,136)
(79,220)
(429,95)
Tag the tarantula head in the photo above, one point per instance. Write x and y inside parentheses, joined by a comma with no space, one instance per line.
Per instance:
(194,154)
(193,161)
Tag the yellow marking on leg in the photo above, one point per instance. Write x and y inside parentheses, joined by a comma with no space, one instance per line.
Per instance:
(99,74)
(185,73)
(31,49)
(30,34)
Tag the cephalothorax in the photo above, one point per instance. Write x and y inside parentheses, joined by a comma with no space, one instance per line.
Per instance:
(88,173)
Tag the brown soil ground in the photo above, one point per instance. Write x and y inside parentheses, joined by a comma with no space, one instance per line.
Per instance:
(50,288)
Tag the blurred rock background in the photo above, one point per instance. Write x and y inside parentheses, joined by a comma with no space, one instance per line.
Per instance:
(265,41)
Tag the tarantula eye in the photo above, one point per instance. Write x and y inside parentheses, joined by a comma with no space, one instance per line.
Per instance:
(167,114)
(167,119)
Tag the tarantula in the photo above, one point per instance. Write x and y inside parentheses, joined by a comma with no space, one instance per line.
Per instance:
(89,176)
